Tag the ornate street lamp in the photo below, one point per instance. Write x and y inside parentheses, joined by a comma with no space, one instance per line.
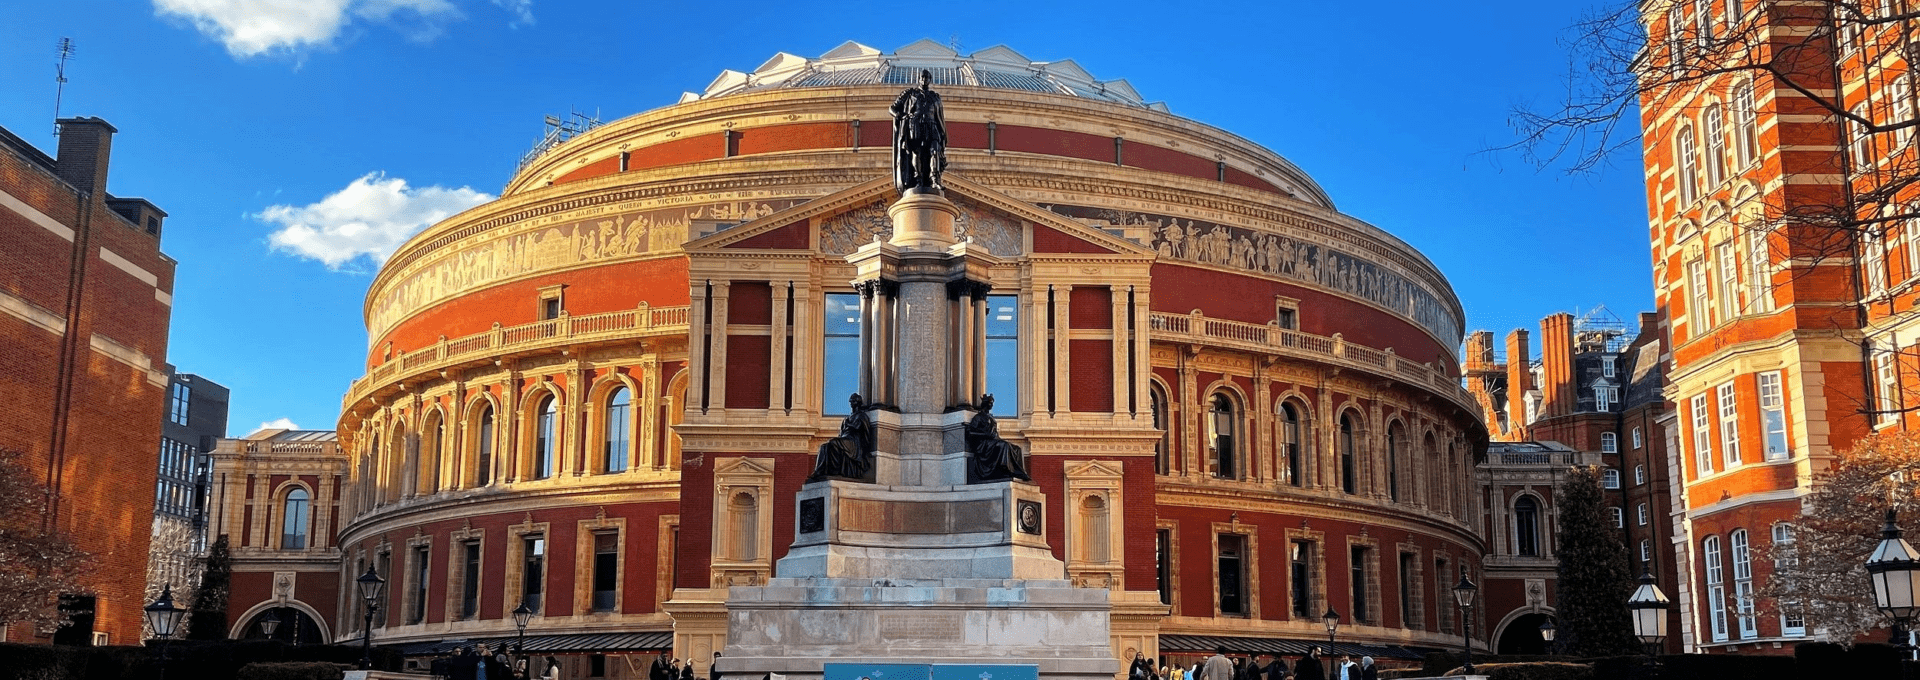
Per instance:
(1892,568)
(270,624)
(521,615)
(1649,608)
(1463,594)
(1547,631)
(370,585)
(164,618)
(1332,619)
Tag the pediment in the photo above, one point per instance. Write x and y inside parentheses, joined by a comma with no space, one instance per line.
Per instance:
(744,466)
(847,219)
(1082,469)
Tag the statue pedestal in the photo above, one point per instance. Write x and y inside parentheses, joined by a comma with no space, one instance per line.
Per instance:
(920,567)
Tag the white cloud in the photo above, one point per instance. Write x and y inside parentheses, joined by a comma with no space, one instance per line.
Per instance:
(277,424)
(371,217)
(522,11)
(254,27)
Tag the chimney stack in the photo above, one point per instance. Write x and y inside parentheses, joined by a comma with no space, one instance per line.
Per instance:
(1519,380)
(1556,364)
(85,144)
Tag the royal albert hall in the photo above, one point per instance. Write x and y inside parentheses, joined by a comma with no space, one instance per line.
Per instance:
(598,395)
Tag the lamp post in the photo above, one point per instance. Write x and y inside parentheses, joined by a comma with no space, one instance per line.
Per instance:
(163,617)
(1463,594)
(370,585)
(1892,567)
(1649,609)
(521,615)
(1547,631)
(1332,619)
(270,624)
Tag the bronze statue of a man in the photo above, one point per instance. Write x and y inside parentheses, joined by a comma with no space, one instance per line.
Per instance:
(849,455)
(919,138)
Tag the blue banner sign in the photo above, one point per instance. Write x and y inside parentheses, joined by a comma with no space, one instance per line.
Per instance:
(877,671)
(986,672)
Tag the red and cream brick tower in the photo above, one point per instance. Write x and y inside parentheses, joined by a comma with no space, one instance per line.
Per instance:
(85,299)
(1776,277)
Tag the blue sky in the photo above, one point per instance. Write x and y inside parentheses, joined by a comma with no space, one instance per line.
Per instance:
(244,119)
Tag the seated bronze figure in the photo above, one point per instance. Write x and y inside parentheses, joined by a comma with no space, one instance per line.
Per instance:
(850,454)
(992,459)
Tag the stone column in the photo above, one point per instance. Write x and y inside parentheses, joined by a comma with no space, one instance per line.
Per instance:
(977,378)
(717,354)
(777,364)
(869,352)
(888,337)
(1062,357)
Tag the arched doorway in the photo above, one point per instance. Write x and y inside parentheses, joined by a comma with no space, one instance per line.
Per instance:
(295,626)
(1522,635)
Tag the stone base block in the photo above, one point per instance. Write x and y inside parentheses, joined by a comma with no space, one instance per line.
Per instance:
(796,626)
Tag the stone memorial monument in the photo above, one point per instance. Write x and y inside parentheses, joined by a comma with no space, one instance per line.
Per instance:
(929,547)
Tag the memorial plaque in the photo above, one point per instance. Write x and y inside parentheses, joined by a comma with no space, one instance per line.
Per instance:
(813,515)
(1029,520)
(908,626)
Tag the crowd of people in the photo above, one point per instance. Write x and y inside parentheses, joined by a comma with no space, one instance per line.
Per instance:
(480,663)
(1309,666)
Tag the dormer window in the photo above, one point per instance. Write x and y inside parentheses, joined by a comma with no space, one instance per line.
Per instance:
(1606,366)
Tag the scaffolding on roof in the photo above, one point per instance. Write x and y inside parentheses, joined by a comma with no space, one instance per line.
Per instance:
(1599,330)
(559,130)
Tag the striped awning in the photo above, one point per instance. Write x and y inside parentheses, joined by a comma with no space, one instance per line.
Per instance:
(579,643)
(1204,644)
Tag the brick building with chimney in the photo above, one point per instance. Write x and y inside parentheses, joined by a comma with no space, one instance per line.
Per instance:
(1594,398)
(85,300)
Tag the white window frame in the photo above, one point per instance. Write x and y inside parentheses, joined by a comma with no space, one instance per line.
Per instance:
(1861,146)
(1746,126)
(1703,22)
(1743,583)
(1729,426)
(1610,443)
(1759,274)
(1773,417)
(1646,552)
(1702,436)
(1618,516)
(1713,125)
(1610,479)
(1730,276)
(1607,369)
(1700,307)
(1637,441)
(1886,385)
(1792,622)
(1873,261)
(1642,515)
(1676,34)
(1900,91)
(1910,235)
(1716,588)
(1687,154)
(1601,398)
(1639,475)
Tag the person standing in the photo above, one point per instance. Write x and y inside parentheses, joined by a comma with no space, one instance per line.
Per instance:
(552,669)
(1276,669)
(1141,669)
(1367,669)
(1217,666)
(686,671)
(1309,667)
(1343,669)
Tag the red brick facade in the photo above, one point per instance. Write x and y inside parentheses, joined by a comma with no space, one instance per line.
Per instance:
(86,295)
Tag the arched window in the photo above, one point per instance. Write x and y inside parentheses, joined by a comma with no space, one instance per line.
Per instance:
(399,464)
(1094,536)
(1396,444)
(1687,154)
(294,515)
(1610,478)
(483,446)
(1434,476)
(1609,442)
(1349,479)
(616,440)
(1716,587)
(1162,449)
(1715,123)
(1526,527)
(746,527)
(427,480)
(543,437)
(1221,423)
(1293,436)
(1743,582)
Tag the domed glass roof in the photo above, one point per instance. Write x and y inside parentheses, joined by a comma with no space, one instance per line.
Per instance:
(855,64)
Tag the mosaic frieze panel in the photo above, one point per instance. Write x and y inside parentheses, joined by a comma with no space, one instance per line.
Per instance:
(547,243)
(844,233)
(1280,256)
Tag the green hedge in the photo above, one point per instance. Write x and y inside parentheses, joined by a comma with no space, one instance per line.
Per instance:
(293,671)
